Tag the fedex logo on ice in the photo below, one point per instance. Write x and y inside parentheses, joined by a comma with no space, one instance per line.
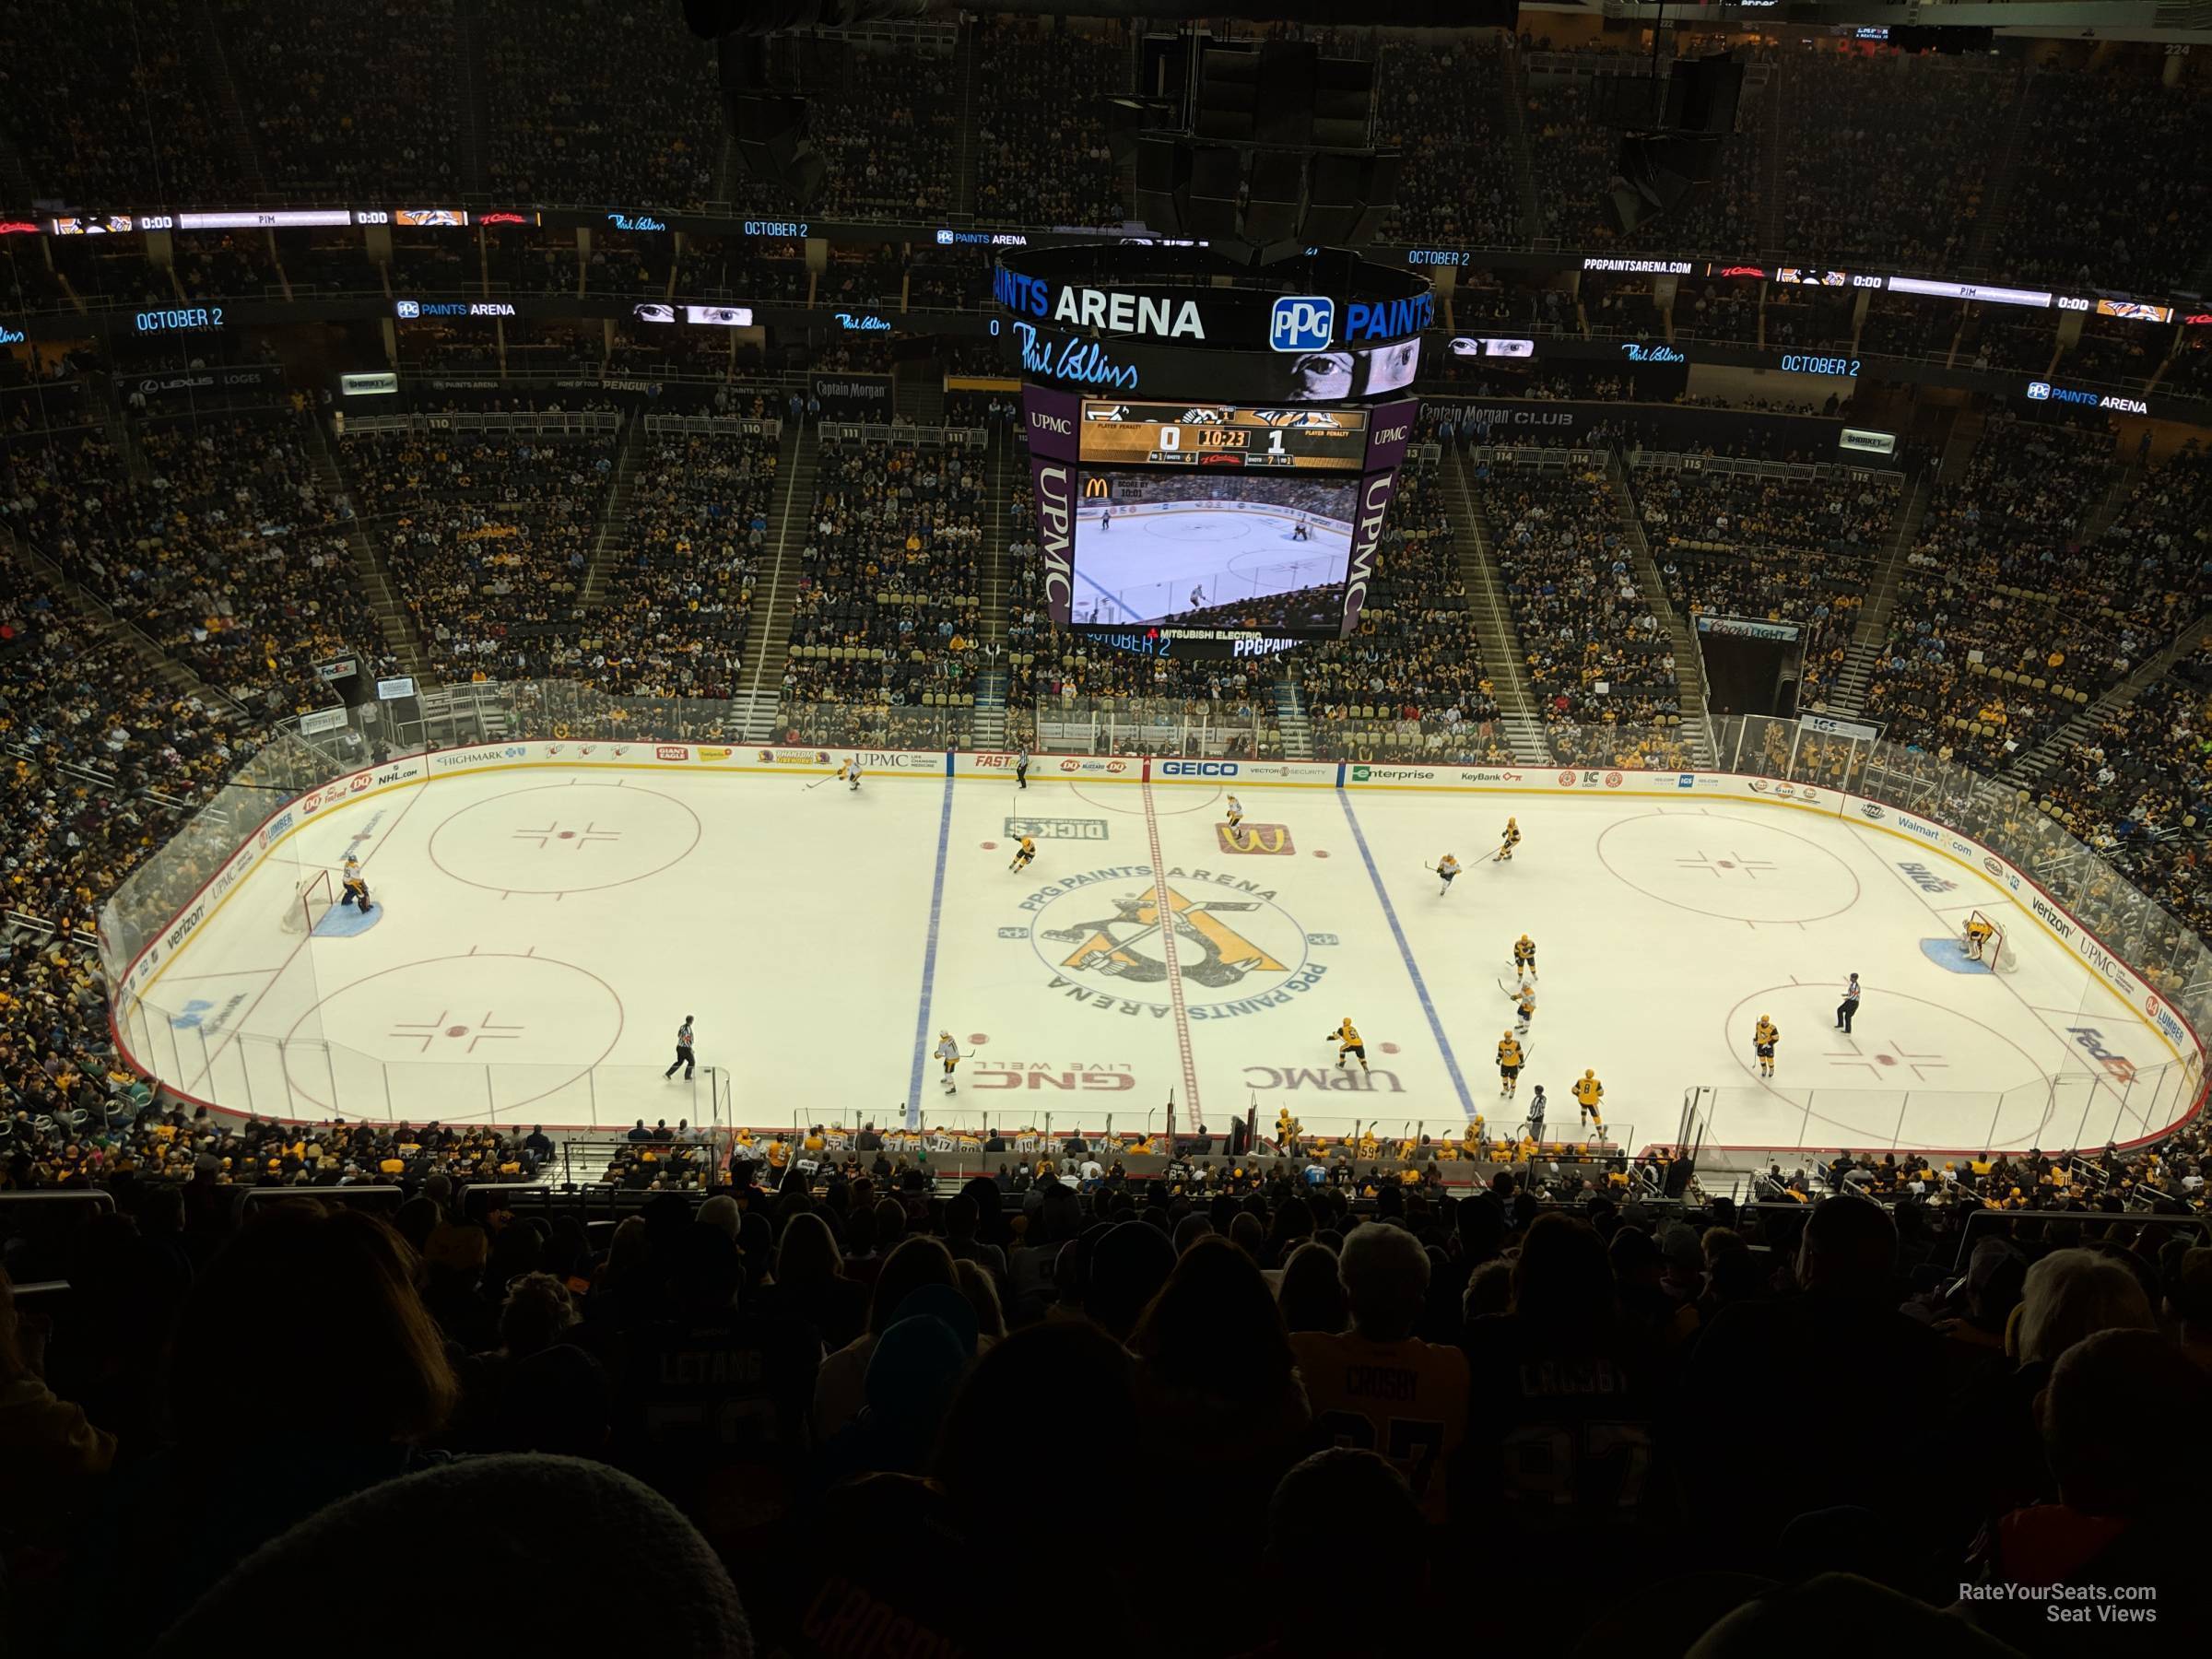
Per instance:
(1303,322)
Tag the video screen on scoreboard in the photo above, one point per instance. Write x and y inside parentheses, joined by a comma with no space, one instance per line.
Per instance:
(1212,548)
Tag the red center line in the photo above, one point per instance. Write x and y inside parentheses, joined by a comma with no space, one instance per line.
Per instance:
(1164,908)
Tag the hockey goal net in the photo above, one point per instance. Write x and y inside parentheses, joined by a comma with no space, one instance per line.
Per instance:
(312,895)
(1996,950)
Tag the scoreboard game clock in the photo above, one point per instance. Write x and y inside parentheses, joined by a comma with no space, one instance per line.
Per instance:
(1224,435)
(1213,447)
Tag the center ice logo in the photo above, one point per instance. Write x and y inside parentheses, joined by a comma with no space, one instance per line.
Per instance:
(1101,938)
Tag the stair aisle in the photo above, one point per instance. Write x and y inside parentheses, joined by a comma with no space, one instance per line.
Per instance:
(608,545)
(991,683)
(1689,661)
(771,639)
(377,586)
(1291,720)
(1848,695)
(1497,639)
(2083,728)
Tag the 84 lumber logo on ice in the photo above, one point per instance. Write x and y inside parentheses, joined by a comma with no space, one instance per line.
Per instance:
(1106,947)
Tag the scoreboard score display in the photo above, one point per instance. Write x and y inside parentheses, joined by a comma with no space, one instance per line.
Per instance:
(1221,435)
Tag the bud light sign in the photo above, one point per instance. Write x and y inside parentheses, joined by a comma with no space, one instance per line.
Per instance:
(1303,322)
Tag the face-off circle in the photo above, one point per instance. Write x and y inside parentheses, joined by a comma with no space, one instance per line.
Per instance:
(455,1036)
(1853,1087)
(565,838)
(1740,869)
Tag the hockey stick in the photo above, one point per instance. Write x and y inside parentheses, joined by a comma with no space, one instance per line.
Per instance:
(815,785)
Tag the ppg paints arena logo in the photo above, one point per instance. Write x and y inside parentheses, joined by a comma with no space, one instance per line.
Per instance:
(1102,937)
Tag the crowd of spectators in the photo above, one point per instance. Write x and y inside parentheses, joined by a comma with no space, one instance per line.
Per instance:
(103,764)
(1885,158)
(1596,655)
(2074,216)
(1777,548)
(489,538)
(677,599)
(1572,154)
(225,552)
(887,124)
(1717,310)
(1442,107)
(351,103)
(598,103)
(2139,790)
(2005,619)
(716,1391)
(120,114)
(1042,157)
(1410,681)
(1910,325)
(129,1138)
(888,610)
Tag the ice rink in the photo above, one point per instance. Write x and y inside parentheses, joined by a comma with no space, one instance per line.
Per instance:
(545,930)
(1150,563)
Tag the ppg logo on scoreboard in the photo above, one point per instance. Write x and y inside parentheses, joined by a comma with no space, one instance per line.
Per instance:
(2039,390)
(1303,322)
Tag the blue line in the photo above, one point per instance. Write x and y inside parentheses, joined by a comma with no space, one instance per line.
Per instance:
(929,963)
(1413,969)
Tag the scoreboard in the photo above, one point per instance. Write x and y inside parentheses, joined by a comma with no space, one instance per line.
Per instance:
(1187,434)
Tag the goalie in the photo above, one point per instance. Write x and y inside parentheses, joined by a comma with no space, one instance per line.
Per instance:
(354,887)
(1980,934)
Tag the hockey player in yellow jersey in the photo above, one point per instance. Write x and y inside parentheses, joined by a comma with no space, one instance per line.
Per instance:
(1023,854)
(1508,1065)
(353,887)
(1348,1042)
(1508,842)
(1979,931)
(1764,1038)
(1588,1092)
(1524,956)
